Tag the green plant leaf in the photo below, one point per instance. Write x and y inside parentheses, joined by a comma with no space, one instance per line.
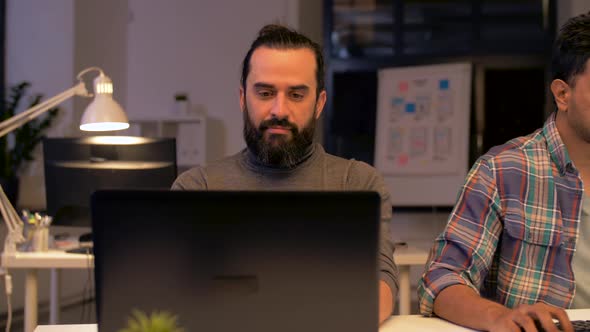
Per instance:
(25,138)
(157,321)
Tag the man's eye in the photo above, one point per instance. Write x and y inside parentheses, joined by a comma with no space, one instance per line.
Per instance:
(264,93)
(297,96)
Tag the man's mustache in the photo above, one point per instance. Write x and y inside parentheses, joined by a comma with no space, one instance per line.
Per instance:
(274,122)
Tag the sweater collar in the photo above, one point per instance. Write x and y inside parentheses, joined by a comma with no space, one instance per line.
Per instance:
(252,161)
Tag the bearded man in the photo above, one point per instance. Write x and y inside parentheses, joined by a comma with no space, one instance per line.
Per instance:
(282,96)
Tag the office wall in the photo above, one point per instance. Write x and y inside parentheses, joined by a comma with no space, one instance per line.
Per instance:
(40,49)
(39,44)
(195,47)
(100,39)
(569,8)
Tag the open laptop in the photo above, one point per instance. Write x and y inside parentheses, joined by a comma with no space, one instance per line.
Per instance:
(238,261)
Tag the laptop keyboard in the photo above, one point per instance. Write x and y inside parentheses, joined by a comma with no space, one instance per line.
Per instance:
(579,326)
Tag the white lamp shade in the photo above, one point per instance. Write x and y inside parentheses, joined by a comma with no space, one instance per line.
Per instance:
(104,114)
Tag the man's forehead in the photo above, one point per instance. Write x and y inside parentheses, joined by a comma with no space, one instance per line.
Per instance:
(266,51)
(270,63)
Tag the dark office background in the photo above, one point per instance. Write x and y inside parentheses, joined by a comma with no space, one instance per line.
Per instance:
(509,41)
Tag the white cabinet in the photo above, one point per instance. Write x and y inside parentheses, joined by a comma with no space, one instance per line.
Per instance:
(189,131)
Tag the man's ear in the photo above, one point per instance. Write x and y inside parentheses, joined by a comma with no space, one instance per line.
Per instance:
(320,103)
(242,99)
(561,94)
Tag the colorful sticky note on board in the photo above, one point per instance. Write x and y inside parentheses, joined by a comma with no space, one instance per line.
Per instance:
(396,101)
(403,86)
(410,108)
(443,84)
(403,160)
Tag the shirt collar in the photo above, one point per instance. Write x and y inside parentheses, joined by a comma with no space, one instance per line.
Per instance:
(556,147)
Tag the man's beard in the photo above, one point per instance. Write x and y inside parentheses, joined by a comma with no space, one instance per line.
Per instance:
(578,124)
(278,150)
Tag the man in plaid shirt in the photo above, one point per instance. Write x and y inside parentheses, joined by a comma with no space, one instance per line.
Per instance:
(519,231)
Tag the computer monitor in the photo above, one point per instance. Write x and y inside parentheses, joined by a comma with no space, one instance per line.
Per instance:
(77,167)
(238,261)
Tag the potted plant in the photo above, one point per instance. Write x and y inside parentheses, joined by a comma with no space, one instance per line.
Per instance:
(17,147)
(157,321)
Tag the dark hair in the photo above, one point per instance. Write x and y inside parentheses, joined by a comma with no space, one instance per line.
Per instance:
(280,37)
(571,49)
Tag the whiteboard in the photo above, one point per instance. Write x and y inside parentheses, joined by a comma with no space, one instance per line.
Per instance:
(422,132)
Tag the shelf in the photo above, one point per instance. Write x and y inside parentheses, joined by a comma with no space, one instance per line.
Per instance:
(189,132)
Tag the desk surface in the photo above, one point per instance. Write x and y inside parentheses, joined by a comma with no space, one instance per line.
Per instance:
(61,260)
(410,256)
(67,328)
(409,323)
(53,259)
(417,323)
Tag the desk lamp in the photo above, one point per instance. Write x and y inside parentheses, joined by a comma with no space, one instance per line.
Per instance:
(103,114)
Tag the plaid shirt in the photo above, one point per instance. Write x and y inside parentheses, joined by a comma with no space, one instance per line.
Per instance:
(512,234)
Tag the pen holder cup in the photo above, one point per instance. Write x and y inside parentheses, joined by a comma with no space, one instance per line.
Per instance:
(40,239)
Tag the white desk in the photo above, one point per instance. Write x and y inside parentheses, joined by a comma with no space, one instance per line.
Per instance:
(416,323)
(408,323)
(67,328)
(32,262)
(54,260)
(404,258)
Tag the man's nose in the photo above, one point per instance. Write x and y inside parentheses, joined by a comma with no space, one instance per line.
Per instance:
(279,108)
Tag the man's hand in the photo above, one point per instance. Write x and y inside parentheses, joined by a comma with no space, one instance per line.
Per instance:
(461,305)
(524,316)
(385,301)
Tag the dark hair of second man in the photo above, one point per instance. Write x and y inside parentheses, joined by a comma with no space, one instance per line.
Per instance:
(571,49)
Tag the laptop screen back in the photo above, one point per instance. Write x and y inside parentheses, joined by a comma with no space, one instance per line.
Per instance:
(238,261)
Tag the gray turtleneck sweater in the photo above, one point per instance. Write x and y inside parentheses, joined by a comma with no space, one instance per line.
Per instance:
(317,171)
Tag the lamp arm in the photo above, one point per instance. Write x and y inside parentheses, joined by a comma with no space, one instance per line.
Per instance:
(13,222)
(20,119)
(8,212)
(11,218)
